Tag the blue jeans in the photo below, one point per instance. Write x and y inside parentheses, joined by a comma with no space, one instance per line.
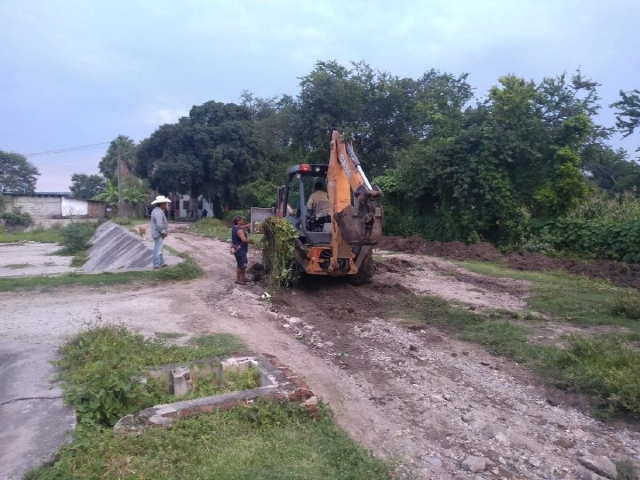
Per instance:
(158,261)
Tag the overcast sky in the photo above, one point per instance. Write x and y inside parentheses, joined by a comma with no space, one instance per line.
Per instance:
(81,72)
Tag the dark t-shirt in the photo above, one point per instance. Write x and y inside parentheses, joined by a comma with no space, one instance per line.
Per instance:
(235,240)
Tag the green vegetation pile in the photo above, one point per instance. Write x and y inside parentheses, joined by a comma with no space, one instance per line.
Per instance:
(278,247)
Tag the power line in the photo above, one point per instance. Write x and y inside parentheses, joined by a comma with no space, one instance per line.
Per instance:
(64,150)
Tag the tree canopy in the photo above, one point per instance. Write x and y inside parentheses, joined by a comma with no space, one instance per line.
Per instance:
(17,174)
(108,166)
(451,165)
(85,186)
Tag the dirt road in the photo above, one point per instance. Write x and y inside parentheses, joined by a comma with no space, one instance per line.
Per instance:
(416,396)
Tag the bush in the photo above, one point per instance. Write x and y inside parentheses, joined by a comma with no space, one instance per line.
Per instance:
(3,203)
(243,212)
(76,236)
(626,305)
(123,221)
(17,217)
(260,193)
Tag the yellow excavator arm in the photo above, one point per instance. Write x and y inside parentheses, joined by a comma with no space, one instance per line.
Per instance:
(354,223)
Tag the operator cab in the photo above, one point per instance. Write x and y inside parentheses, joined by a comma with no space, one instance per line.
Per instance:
(301,180)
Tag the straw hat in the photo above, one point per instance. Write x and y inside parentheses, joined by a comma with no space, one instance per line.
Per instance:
(161,199)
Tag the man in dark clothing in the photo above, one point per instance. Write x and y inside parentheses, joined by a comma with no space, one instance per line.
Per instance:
(240,245)
(173,213)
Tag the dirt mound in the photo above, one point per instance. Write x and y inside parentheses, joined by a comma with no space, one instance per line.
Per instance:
(398,244)
(621,274)
(484,252)
(395,265)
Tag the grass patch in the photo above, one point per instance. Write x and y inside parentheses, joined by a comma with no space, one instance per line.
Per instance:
(39,235)
(80,258)
(212,228)
(626,305)
(604,366)
(575,298)
(265,441)
(102,368)
(186,270)
(17,266)
(169,335)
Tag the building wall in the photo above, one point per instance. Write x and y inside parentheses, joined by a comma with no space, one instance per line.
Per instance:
(38,207)
(74,208)
(96,209)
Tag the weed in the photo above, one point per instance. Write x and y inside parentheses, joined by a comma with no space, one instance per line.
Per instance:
(267,440)
(278,247)
(80,258)
(626,304)
(76,236)
(102,368)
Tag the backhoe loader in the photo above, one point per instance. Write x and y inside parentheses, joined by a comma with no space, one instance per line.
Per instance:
(337,241)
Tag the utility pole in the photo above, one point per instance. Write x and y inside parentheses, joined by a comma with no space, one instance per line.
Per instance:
(120,212)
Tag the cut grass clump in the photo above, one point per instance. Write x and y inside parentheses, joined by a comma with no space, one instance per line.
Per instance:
(278,253)
(264,441)
(39,235)
(102,369)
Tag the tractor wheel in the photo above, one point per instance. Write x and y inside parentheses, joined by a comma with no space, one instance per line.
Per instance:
(365,272)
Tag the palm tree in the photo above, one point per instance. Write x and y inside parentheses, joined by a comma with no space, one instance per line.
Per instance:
(109,164)
(109,195)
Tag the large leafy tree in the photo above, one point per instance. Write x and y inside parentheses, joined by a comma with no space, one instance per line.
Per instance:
(85,186)
(628,107)
(17,174)
(212,151)
(108,166)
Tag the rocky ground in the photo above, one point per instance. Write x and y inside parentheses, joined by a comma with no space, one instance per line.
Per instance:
(440,408)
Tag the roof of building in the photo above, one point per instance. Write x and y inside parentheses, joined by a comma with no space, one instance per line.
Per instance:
(38,194)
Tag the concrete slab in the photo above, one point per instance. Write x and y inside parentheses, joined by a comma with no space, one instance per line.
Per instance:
(115,248)
(34,422)
(32,259)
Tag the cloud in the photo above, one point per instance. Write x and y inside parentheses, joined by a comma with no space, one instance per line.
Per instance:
(156,115)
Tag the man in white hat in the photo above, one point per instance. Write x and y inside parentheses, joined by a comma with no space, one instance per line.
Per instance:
(159,229)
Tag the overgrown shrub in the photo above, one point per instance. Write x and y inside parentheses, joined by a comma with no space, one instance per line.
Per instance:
(123,221)
(260,193)
(76,236)
(17,218)
(278,246)
(244,212)
(102,369)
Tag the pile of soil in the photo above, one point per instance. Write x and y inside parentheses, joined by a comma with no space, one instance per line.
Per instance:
(482,251)
(621,274)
